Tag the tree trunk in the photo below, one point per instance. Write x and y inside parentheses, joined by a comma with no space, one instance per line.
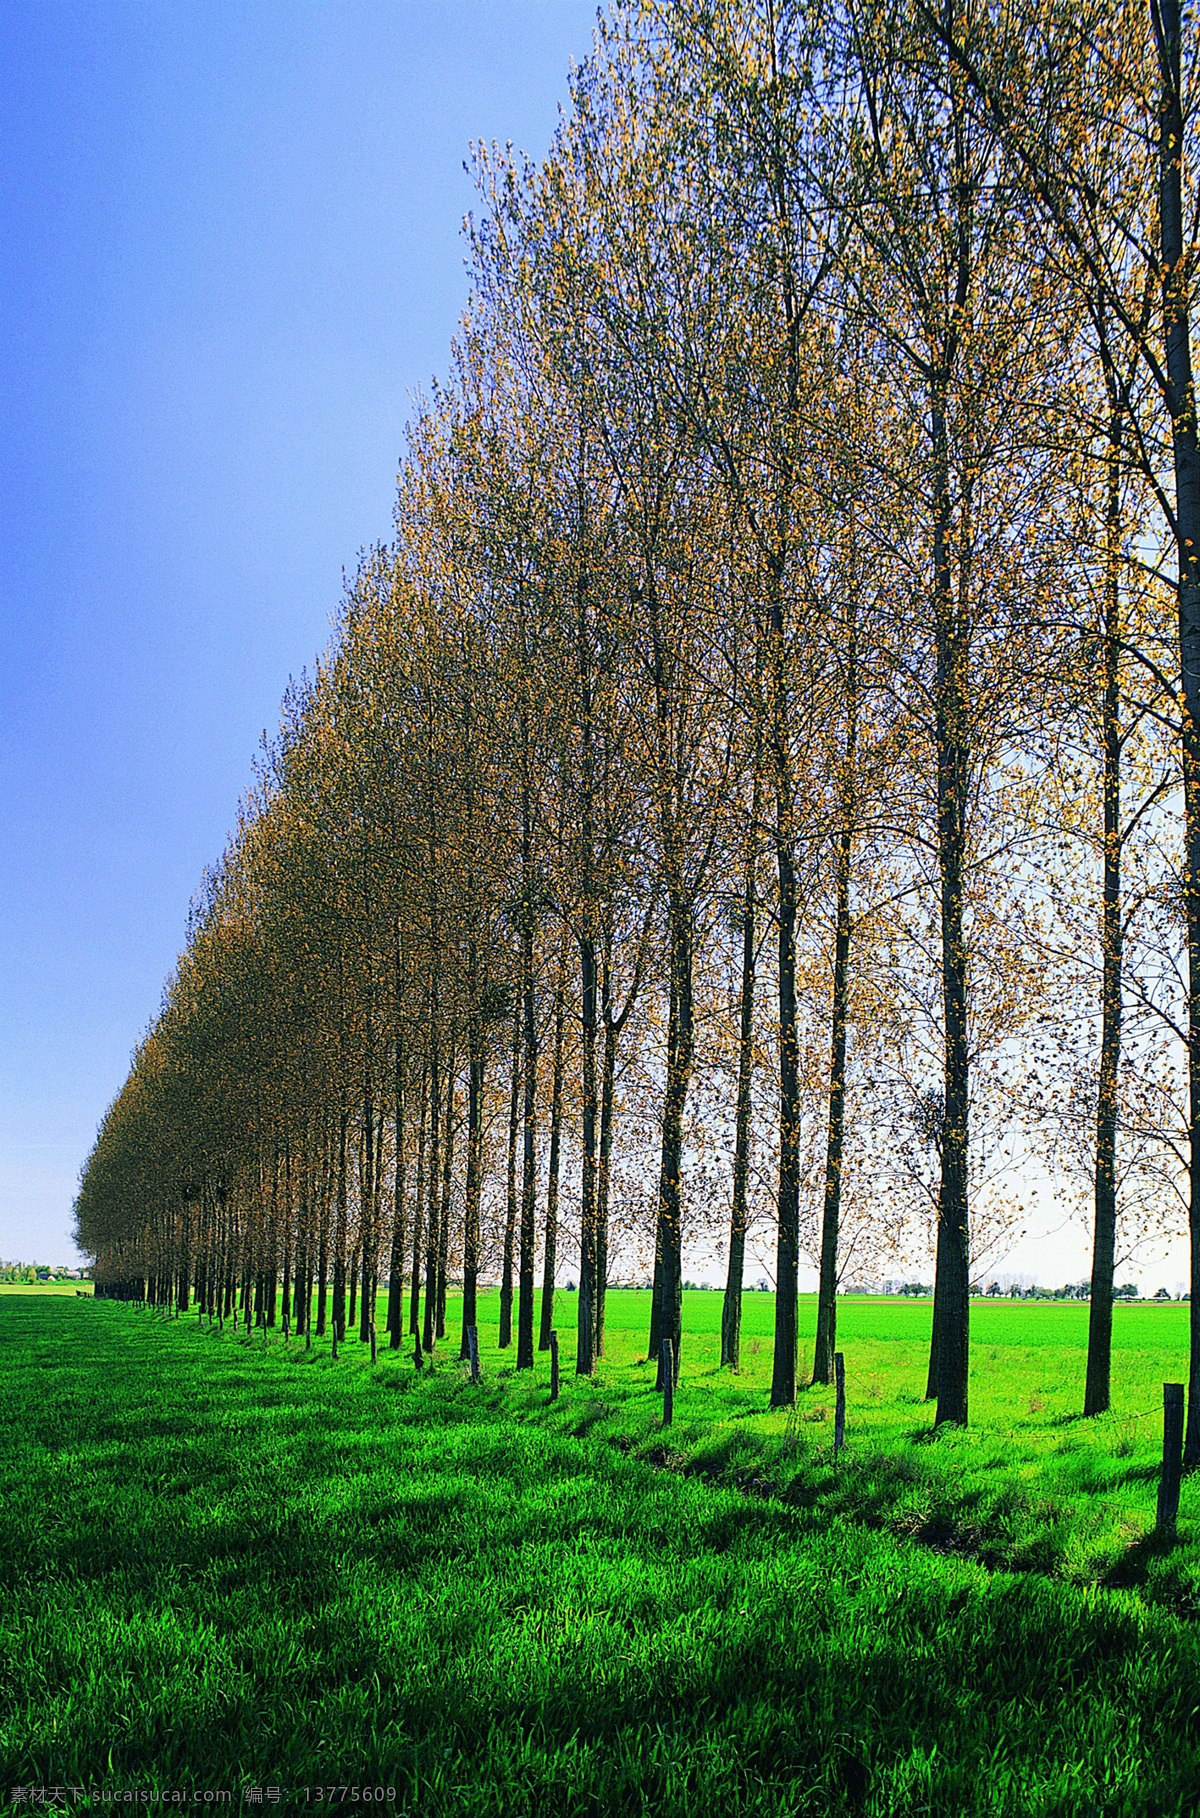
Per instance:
(303,1240)
(182,1300)
(608,1084)
(826,1344)
(286,1302)
(680,1059)
(339,1258)
(272,1282)
(529,1157)
(429,1329)
(953,1282)
(787,1256)
(585,1355)
(447,1198)
(731,1309)
(414,1307)
(1181,401)
(354,1259)
(585,1350)
(227,1301)
(395,1313)
(657,1330)
(368,1212)
(510,1204)
(550,1243)
(939,1276)
(1099,1357)
(476,1061)
(201,1250)
(323,1241)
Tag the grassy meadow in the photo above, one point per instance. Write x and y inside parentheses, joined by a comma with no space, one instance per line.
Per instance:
(45,1287)
(232,1564)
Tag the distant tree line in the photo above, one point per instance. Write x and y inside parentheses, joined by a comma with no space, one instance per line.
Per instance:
(754,797)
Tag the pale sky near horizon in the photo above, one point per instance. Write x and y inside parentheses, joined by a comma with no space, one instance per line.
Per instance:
(230,255)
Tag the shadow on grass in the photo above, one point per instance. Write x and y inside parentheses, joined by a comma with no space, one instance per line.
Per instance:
(1157,1566)
(1147,1473)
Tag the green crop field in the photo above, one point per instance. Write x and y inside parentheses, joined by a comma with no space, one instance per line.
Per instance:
(234,1565)
(45,1287)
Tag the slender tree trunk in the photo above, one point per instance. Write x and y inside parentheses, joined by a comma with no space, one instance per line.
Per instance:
(657,1323)
(182,1301)
(731,1310)
(826,1344)
(550,1243)
(217,1264)
(585,1355)
(286,1223)
(201,1249)
(1099,1356)
(608,1087)
(613,1025)
(939,1276)
(414,1310)
(432,1222)
(368,1201)
(339,1258)
(529,1155)
(303,1238)
(510,1204)
(230,1249)
(323,1240)
(447,1197)
(585,1350)
(476,1061)
(395,1314)
(953,1283)
(679,1073)
(787,1254)
(1181,401)
(354,1261)
(272,1258)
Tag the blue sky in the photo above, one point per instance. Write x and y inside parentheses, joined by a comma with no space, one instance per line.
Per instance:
(229,254)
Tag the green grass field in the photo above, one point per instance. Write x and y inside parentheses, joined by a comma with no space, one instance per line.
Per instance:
(45,1287)
(234,1565)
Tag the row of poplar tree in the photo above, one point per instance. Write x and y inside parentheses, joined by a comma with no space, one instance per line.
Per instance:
(759,780)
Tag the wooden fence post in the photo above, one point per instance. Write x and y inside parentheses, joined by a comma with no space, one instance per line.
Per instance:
(554,1366)
(473,1351)
(839,1412)
(1172,1459)
(668,1366)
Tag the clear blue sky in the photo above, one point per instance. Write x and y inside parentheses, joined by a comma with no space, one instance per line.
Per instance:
(230,253)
